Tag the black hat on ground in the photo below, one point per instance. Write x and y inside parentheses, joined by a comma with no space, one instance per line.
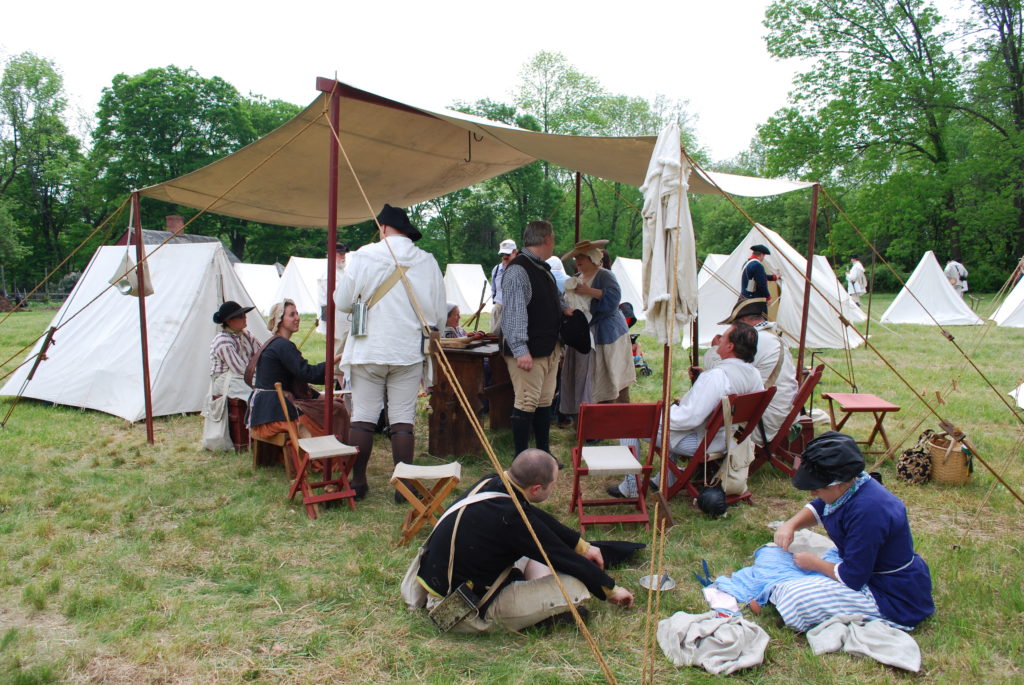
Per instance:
(397,219)
(746,306)
(760,249)
(828,458)
(230,310)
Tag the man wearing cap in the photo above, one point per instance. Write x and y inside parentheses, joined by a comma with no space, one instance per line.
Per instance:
(530,323)
(754,282)
(342,323)
(506,253)
(773,361)
(389,356)
(879,575)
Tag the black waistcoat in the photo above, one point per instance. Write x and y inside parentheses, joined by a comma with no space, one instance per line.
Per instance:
(543,311)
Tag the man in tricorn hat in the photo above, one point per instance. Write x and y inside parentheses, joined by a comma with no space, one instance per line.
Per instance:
(754,282)
(389,356)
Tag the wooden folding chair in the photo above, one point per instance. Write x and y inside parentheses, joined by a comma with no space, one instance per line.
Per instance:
(325,449)
(611,421)
(746,412)
(779,450)
(426,502)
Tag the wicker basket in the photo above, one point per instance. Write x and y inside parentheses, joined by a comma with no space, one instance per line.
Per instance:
(949,463)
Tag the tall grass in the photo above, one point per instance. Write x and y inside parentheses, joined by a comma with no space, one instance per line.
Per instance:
(125,562)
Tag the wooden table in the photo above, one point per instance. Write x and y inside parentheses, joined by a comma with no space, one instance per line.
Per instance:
(855,403)
(450,430)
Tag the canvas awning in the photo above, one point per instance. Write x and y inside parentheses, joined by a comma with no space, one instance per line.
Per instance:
(402,155)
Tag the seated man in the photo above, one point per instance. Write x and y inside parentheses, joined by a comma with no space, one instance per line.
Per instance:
(492,545)
(688,417)
(879,576)
(773,362)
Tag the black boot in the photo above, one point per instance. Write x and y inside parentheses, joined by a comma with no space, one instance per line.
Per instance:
(361,436)
(542,428)
(402,448)
(522,426)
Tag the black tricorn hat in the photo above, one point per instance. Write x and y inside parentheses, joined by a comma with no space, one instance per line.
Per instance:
(828,458)
(760,249)
(397,219)
(230,310)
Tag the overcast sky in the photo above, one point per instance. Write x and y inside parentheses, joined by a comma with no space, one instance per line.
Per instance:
(711,54)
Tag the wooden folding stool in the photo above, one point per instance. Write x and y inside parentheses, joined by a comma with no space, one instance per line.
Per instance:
(426,502)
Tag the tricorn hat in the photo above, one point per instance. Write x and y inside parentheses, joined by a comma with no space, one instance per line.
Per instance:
(397,219)
(760,249)
(585,246)
(230,310)
(831,457)
(746,306)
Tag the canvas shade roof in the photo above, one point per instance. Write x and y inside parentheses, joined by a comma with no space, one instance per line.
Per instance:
(260,281)
(463,284)
(1011,311)
(942,305)
(299,284)
(402,155)
(630,275)
(96,361)
(719,293)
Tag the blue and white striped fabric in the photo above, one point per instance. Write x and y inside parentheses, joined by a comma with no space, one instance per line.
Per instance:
(806,602)
(686,447)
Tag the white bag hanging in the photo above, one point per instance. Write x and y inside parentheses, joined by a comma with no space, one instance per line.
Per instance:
(216,427)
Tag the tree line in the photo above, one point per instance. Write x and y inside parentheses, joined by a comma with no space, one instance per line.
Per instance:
(912,121)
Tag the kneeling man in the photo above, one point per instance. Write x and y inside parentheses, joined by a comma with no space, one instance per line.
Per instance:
(486,544)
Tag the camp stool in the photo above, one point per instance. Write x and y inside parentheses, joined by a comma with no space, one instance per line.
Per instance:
(426,502)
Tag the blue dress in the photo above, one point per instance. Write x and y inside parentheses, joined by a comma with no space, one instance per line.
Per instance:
(872,536)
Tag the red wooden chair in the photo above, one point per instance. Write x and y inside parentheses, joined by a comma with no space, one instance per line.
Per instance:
(607,422)
(746,412)
(330,453)
(781,451)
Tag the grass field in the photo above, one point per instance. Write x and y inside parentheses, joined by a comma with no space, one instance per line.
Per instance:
(126,563)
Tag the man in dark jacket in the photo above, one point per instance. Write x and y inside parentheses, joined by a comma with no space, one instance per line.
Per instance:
(493,546)
(754,282)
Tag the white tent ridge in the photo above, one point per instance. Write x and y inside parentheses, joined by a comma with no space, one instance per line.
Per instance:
(719,292)
(711,264)
(928,286)
(260,281)
(299,284)
(96,361)
(1011,311)
(630,274)
(463,285)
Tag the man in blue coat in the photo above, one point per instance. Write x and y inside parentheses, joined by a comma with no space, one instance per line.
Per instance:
(754,282)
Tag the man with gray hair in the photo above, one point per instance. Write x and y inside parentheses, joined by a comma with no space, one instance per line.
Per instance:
(531,318)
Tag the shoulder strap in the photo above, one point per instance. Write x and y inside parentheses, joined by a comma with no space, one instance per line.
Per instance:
(778,365)
(474,496)
(387,285)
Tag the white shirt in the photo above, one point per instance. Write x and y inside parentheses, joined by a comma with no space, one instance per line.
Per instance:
(856,282)
(342,323)
(728,377)
(394,332)
(957,275)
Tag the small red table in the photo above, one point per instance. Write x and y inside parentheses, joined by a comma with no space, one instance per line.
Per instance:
(853,403)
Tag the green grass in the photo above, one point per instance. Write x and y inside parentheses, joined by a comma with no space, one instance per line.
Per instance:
(128,563)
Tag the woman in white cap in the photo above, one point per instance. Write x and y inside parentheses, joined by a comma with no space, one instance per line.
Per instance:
(452,329)
(611,366)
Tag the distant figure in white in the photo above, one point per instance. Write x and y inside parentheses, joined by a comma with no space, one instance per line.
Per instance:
(856,282)
(957,275)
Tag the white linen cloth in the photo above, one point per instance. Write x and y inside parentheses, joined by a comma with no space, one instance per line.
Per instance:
(875,639)
(719,645)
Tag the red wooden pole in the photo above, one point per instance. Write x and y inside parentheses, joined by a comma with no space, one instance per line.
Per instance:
(807,282)
(141,275)
(332,240)
(579,178)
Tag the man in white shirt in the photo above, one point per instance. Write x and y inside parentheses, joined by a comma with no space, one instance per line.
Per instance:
(389,357)
(506,253)
(856,281)
(957,275)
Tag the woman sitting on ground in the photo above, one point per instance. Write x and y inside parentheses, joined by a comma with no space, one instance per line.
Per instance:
(230,352)
(281,362)
(879,576)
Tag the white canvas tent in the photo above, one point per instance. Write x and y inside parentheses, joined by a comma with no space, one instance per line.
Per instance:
(1018,395)
(96,361)
(463,284)
(630,274)
(1011,311)
(260,281)
(711,264)
(941,303)
(299,283)
(719,292)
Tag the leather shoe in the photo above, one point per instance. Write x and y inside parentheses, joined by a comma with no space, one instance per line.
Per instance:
(614,491)
(361,491)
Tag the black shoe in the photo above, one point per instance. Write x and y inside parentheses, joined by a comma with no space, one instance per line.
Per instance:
(614,491)
(399,497)
(361,491)
(563,619)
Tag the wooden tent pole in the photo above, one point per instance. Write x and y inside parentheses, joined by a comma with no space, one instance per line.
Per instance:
(141,276)
(331,87)
(807,283)
(579,179)
(871,289)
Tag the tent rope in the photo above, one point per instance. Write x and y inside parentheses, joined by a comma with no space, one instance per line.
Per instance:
(442,359)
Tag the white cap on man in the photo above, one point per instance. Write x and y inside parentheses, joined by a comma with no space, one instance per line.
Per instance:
(507,247)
